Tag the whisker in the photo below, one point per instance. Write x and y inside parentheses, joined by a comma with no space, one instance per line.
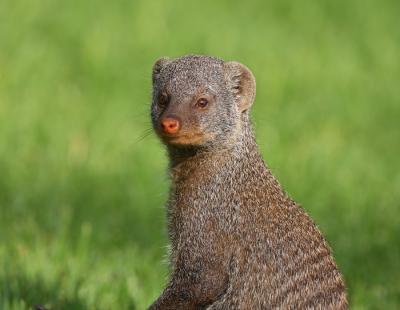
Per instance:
(143,135)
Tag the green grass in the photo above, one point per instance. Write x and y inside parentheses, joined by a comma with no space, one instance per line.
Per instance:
(81,195)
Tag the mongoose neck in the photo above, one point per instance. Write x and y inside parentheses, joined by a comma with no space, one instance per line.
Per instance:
(243,136)
(237,167)
(241,148)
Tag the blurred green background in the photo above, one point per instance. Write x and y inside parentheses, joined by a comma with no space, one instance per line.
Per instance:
(83,180)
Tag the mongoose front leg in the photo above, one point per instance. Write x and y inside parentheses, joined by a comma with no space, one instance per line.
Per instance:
(195,283)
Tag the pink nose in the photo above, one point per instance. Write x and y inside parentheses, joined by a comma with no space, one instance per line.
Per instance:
(170,125)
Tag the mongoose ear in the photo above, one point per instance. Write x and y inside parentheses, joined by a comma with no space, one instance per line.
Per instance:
(158,65)
(242,84)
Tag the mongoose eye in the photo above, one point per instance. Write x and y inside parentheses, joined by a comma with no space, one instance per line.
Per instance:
(202,103)
(163,100)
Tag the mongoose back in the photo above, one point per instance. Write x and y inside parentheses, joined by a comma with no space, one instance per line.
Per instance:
(237,240)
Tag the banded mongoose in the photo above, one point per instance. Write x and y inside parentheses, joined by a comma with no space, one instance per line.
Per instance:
(237,241)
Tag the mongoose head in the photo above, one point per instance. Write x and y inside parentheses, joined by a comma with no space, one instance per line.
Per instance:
(200,101)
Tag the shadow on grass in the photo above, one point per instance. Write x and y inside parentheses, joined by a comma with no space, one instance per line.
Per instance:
(35,293)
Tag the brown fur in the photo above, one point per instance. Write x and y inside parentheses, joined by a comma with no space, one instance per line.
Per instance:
(237,240)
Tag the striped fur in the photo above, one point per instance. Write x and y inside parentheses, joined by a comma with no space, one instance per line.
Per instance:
(237,240)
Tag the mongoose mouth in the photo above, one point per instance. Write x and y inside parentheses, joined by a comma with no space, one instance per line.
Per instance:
(184,139)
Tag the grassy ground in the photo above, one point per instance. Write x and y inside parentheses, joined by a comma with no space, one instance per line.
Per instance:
(81,194)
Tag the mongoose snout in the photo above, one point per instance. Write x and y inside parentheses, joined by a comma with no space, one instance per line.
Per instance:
(170,125)
(238,241)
